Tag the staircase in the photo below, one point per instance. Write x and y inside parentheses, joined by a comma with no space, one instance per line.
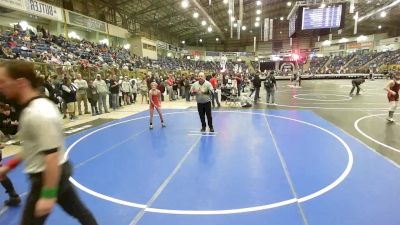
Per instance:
(328,62)
(350,61)
(370,61)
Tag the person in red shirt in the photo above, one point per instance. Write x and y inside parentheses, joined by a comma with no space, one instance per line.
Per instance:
(170,84)
(214,96)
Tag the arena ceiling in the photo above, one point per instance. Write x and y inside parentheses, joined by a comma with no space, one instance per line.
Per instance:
(169,16)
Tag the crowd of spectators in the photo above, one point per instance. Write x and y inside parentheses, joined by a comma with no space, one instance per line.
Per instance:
(68,53)
(316,63)
(363,58)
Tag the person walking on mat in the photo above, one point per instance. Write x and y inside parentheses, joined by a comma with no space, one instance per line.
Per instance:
(356,83)
(270,86)
(203,91)
(257,85)
(43,150)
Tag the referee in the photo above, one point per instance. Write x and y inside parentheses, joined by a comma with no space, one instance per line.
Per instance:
(43,151)
(203,91)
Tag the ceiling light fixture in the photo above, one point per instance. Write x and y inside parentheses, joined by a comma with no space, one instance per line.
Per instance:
(195,15)
(203,23)
(258,11)
(209,29)
(244,27)
(256,24)
(185,4)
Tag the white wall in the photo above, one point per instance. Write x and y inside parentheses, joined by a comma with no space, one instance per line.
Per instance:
(136,46)
(118,31)
(149,53)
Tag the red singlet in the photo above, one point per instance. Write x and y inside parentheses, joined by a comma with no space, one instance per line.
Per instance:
(155,100)
(395,88)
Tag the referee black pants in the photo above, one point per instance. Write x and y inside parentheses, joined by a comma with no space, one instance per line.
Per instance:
(205,110)
(67,198)
(354,86)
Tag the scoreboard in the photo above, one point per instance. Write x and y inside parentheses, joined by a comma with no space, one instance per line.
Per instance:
(322,18)
(316,21)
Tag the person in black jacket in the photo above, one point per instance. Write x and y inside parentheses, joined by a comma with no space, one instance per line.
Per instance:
(8,120)
(69,95)
(257,85)
(356,83)
(51,88)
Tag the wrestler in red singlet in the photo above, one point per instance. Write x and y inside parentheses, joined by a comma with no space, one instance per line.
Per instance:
(154,95)
(393,88)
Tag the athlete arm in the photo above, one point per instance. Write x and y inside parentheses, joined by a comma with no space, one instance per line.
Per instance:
(10,165)
(192,89)
(51,177)
(388,86)
(51,173)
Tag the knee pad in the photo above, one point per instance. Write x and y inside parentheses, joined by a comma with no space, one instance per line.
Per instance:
(393,106)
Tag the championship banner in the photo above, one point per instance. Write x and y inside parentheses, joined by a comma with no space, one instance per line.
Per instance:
(162,45)
(215,54)
(43,9)
(266,29)
(271,28)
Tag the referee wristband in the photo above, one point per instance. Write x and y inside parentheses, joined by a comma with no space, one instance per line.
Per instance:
(49,193)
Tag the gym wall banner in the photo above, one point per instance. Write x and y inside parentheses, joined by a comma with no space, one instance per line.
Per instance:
(35,7)
(287,66)
(85,22)
(162,45)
